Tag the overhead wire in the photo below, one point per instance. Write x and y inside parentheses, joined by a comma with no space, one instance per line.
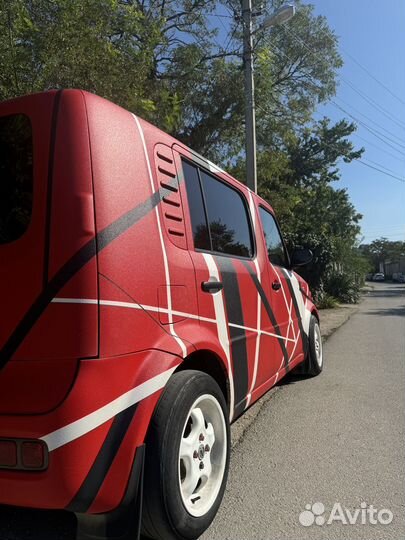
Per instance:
(372,76)
(372,130)
(388,141)
(362,94)
(399,178)
(378,147)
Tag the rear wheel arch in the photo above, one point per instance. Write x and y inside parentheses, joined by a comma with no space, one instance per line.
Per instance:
(208,362)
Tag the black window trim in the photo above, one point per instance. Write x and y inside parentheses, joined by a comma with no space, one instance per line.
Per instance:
(244,202)
(288,267)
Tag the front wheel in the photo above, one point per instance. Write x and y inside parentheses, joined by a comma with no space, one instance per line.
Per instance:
(187,458)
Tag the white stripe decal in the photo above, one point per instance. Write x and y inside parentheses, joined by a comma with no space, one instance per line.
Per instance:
(222,329)
(74,301)
(304,312)
(259,309)
(84,425)
(162,243)
(155,309)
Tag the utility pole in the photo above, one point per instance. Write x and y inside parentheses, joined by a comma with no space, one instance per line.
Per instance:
(250,113)
(281,15)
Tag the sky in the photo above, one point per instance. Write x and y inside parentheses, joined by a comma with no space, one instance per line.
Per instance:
(372,35)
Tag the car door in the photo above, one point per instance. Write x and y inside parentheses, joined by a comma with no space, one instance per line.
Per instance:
(222,248)
(282,292)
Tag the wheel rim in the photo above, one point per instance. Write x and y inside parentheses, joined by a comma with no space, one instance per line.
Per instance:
(318,345)
(202,455)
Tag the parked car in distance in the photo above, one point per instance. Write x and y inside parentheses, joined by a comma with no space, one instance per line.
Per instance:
(379,276)
(369,277)
(147,300)
(398,277)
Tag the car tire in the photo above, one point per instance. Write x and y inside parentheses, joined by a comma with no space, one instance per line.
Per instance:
(187,458)
(313,363)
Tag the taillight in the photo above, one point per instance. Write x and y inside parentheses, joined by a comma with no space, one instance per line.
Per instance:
(23,454)
(8,454)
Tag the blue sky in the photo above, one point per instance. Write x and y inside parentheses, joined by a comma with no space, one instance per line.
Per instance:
(373,33)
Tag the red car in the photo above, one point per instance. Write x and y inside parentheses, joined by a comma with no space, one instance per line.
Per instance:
(147,300)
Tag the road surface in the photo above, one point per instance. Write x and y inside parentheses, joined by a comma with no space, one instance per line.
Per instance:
(337,439)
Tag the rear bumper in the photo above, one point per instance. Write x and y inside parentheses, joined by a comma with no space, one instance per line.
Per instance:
(92,436)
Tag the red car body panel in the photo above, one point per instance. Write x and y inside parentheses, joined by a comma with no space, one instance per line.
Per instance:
(113,304)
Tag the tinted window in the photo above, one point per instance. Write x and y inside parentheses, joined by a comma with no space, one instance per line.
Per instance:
(196,205)
(16,182)
(274,243)
(228,219)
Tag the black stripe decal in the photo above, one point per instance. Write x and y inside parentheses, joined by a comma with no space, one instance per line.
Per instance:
(92,483)
(269,312)
(51,163)
(238,335)
(297,311)
(70,268)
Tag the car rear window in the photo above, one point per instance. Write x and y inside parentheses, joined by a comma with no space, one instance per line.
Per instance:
(16,176)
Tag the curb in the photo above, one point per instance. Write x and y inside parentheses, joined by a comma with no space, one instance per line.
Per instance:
(334,319)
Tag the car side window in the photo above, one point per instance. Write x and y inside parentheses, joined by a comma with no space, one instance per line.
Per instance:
(274,243)
(228,219)
(196,204)
(16,176)
(218,214)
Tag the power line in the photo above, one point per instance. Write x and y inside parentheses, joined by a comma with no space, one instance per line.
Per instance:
(365,116)
(377,168)
(362,94)
(380,170)
(393,175)
(378,147)
(372,76)
(381,136)
(382,167)
(220,15)
(373,131)
(374,104)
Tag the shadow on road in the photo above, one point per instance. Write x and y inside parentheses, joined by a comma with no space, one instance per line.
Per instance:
(26,524)
(389,292)
(398,311)
(292,378)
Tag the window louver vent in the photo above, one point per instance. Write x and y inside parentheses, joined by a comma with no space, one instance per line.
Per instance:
(171,202)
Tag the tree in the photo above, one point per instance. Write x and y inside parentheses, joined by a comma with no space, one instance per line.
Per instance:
(110,47)
(383,250)
(162,59)
(296,178)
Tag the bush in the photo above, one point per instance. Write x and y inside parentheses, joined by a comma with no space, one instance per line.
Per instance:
(327,302)
(344,287)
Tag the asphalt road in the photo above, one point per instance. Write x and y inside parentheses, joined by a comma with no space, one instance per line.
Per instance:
(335,439)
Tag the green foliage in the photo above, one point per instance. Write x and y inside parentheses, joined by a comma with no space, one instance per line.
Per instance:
(163,60)
(322,248)
(343,286)
(327,302)
(382,250)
